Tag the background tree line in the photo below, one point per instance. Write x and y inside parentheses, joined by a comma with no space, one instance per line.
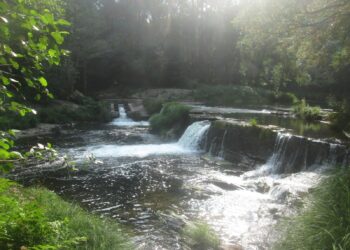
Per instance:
(273,44)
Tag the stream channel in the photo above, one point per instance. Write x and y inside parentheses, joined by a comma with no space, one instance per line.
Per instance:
(155,187)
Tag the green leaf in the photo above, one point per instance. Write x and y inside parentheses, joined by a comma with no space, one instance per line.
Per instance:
(58,37)
(43,81)
(14,63)
(4,154)
(63,22)
(52,52)
(4,144)
(5,80)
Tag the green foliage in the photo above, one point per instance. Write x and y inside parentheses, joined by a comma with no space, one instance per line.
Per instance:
(10,120)
(304,111)
(325,222)
(29,37)
(231,95)
(290,41)
(253,122)
(201,237)
(38,219)
(341,118)
(284,98)
(172,116)
(153,106)
(88,111)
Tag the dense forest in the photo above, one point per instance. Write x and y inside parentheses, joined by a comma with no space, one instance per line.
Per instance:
(277,45)
(59,58)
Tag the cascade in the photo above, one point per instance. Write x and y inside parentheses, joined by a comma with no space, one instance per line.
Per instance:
(275,163)
(194,135)
(124,121)
(293,154)
(222,147)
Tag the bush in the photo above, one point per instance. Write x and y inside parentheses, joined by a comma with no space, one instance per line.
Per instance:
(38,219)
(284,98)
(153,106)
(253,122)
(340,120)
(89,111)
(229,95)
(200,236)
(302,110)
(172,116)
(325,224)
(11,120)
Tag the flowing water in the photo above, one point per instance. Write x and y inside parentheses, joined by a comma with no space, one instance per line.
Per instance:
(155,188)
(124,121)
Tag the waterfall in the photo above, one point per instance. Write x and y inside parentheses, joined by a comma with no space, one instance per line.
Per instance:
(190,142)
(124,121)
(194,135)
(275,163)
(222,147)
(122,112)
(294,154)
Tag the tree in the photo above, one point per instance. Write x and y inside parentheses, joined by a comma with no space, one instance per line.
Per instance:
(30,36)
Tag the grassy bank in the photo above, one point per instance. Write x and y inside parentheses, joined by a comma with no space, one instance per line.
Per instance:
(35,218)
(325,222)
(173,117)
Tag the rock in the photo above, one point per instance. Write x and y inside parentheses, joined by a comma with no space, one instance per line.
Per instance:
(42,129)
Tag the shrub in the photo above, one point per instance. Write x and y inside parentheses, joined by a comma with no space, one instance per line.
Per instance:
(325,224)
(284,98)
(153,106)
(172,116)
(38,219)
(253,122)
(200,236)
(10,120)
(89,111)
(229,95)
(340,120)
(302,110)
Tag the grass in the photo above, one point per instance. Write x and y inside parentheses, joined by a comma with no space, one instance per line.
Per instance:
(172,116)
(35,218)
(325,223)
(200,236)
(306,112)
(153,106)
(253,122)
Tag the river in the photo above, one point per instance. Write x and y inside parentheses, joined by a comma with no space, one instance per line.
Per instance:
(155,187)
